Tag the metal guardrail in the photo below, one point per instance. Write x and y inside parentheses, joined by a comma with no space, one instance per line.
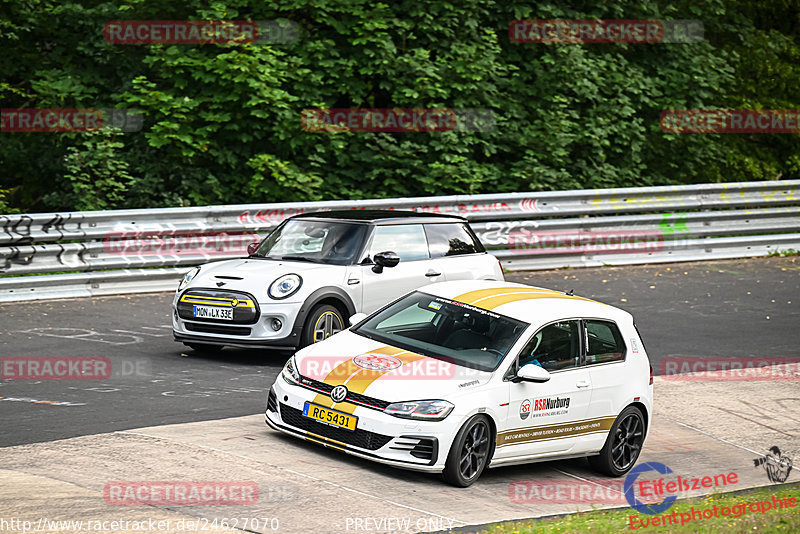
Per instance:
(123,251)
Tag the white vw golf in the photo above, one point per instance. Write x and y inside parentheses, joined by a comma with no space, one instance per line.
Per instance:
(463,375)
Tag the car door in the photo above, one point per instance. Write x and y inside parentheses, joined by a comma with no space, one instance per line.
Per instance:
(546,417)
(413,271)
(456,253)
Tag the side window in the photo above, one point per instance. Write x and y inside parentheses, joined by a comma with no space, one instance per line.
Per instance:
(407,240)
(450,240)
(554,347)
(604,343)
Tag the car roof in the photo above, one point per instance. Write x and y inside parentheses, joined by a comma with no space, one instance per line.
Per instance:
(535,305)
(382,216)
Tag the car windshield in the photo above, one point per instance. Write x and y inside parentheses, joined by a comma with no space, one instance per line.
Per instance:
(314,241)
(445,329)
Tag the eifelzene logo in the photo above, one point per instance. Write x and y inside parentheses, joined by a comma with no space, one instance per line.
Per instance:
(550,404)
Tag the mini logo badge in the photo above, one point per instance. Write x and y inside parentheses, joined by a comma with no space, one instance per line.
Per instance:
(339,393)
(377,362)
(525,409)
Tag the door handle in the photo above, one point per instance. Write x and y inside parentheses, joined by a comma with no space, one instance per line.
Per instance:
(432,273)
(582,384)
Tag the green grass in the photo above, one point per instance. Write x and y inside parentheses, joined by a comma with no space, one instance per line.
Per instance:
(785,252)
(618,520)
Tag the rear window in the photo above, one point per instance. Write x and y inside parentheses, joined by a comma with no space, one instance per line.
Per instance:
(604,343)
(450,240)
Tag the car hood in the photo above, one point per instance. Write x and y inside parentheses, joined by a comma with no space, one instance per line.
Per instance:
(384,372)
(255,275)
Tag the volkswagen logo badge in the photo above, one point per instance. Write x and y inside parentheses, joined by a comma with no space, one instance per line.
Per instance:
(339,393)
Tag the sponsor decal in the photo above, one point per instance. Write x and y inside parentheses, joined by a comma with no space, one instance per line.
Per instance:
(470,383)
(550,404)
(541,433)
(377,362)
(525,409)
(634,345)
(777,465)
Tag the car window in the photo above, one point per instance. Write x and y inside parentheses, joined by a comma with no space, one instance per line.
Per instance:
(604,342)
(555,347)
(315,241)
(412,315)
(406,240)
(464,335)
(450,240)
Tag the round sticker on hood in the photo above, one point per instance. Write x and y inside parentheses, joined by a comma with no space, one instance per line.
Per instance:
(377,362)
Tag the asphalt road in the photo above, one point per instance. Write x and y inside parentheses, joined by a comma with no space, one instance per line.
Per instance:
(724,309)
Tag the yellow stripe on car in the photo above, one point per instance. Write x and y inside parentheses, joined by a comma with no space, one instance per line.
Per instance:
(489,299)
(216,301)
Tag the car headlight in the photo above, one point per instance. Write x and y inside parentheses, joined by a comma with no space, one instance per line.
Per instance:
(188,278)
(290,373)
(427,410)
(285,286)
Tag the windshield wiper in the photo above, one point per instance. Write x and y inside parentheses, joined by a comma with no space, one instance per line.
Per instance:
(299,258)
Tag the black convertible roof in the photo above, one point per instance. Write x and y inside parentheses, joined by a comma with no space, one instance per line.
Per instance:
(382,216)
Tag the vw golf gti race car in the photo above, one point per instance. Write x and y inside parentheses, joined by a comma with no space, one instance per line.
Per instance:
(458,376)
(314,270)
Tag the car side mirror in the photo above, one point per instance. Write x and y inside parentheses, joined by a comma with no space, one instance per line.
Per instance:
(385,259)
(533,373)
(252,247)
(357,318)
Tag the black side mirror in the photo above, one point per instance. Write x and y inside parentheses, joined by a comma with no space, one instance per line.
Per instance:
(252,247)
(385,259)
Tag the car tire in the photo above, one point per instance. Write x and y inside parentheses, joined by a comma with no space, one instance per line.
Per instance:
(623,444)
(204,348)
(323,321)
(469,453)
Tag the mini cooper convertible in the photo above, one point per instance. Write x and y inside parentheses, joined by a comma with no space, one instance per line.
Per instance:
(460,376)
(298,286)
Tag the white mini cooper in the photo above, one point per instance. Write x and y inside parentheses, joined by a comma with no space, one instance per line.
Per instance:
(314,270)
(459,376)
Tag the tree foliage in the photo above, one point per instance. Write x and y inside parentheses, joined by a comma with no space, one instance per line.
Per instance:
(222,121)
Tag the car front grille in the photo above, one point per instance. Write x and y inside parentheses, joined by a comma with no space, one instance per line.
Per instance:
(243,312)
(218,329)
(362,439)
(354,398)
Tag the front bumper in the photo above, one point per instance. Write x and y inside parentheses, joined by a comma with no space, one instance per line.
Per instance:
(416,445)
(256,331)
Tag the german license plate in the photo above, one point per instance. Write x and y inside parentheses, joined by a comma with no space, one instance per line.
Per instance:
(211,312)
(330,417)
